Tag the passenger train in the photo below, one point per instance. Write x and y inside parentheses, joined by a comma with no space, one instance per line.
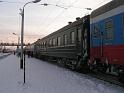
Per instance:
(93,42)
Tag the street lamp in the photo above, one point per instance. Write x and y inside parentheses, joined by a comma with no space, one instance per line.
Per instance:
(88,8)
(22,34)
(18,39)
(22,30)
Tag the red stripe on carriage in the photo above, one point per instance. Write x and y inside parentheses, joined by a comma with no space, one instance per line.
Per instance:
(114,54)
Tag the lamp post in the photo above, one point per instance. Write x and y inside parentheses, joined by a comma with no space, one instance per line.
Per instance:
(18,39)
(22,30)
(88,8)
(22,34)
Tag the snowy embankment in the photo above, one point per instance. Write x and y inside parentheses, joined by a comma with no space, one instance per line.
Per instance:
(42,77)
(3,55)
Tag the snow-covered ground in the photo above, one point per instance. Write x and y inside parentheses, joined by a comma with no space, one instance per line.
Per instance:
(42,77)
(2,55)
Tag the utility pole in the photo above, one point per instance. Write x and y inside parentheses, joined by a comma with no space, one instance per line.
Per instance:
(22,35)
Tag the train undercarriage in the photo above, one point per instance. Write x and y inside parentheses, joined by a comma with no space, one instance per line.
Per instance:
(105,67)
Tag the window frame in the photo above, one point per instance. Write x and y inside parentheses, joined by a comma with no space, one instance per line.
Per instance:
(79,30)
(65,39)
(112,28)
(43,44)
(54,43)
(96,31)
(59,41)
(72,40)
(50,42)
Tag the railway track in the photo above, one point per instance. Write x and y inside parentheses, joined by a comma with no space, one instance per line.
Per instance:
(106,77)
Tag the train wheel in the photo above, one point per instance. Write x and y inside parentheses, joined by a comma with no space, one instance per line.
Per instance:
(73,67)
(60,62)
(121,76)
(97,66)
(63,61)
(94,65)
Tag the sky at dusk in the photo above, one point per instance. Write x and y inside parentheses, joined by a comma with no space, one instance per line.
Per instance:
(41,20)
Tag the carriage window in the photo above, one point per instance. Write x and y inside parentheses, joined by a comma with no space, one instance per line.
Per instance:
(58,41)
(54,42)
(109,29)
(96,31)
(64,39)
(50,42)
(41,45)
(45,44)
(79,35)
(72,37)
(38,44)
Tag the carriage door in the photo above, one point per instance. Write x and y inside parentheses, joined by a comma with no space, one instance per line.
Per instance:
(86,39)
(97,41)
(79,35)
(85,43)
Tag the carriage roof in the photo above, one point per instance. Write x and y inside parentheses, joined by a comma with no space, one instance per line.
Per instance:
(107,7)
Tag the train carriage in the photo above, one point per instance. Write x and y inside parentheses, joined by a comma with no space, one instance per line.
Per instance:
(107,37)
(67,45)
(94,42)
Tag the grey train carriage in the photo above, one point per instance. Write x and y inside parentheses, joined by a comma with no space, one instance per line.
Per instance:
(69,46)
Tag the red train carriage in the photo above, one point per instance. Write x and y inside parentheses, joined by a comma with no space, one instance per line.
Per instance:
(107,38)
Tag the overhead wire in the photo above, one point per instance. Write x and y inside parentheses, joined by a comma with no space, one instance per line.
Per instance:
(58,2)
(70,6)
(4,35)
(55,18)
(27,36)
(46,19)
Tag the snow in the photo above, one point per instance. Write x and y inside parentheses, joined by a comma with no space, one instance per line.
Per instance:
(43,77)
(2,55)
